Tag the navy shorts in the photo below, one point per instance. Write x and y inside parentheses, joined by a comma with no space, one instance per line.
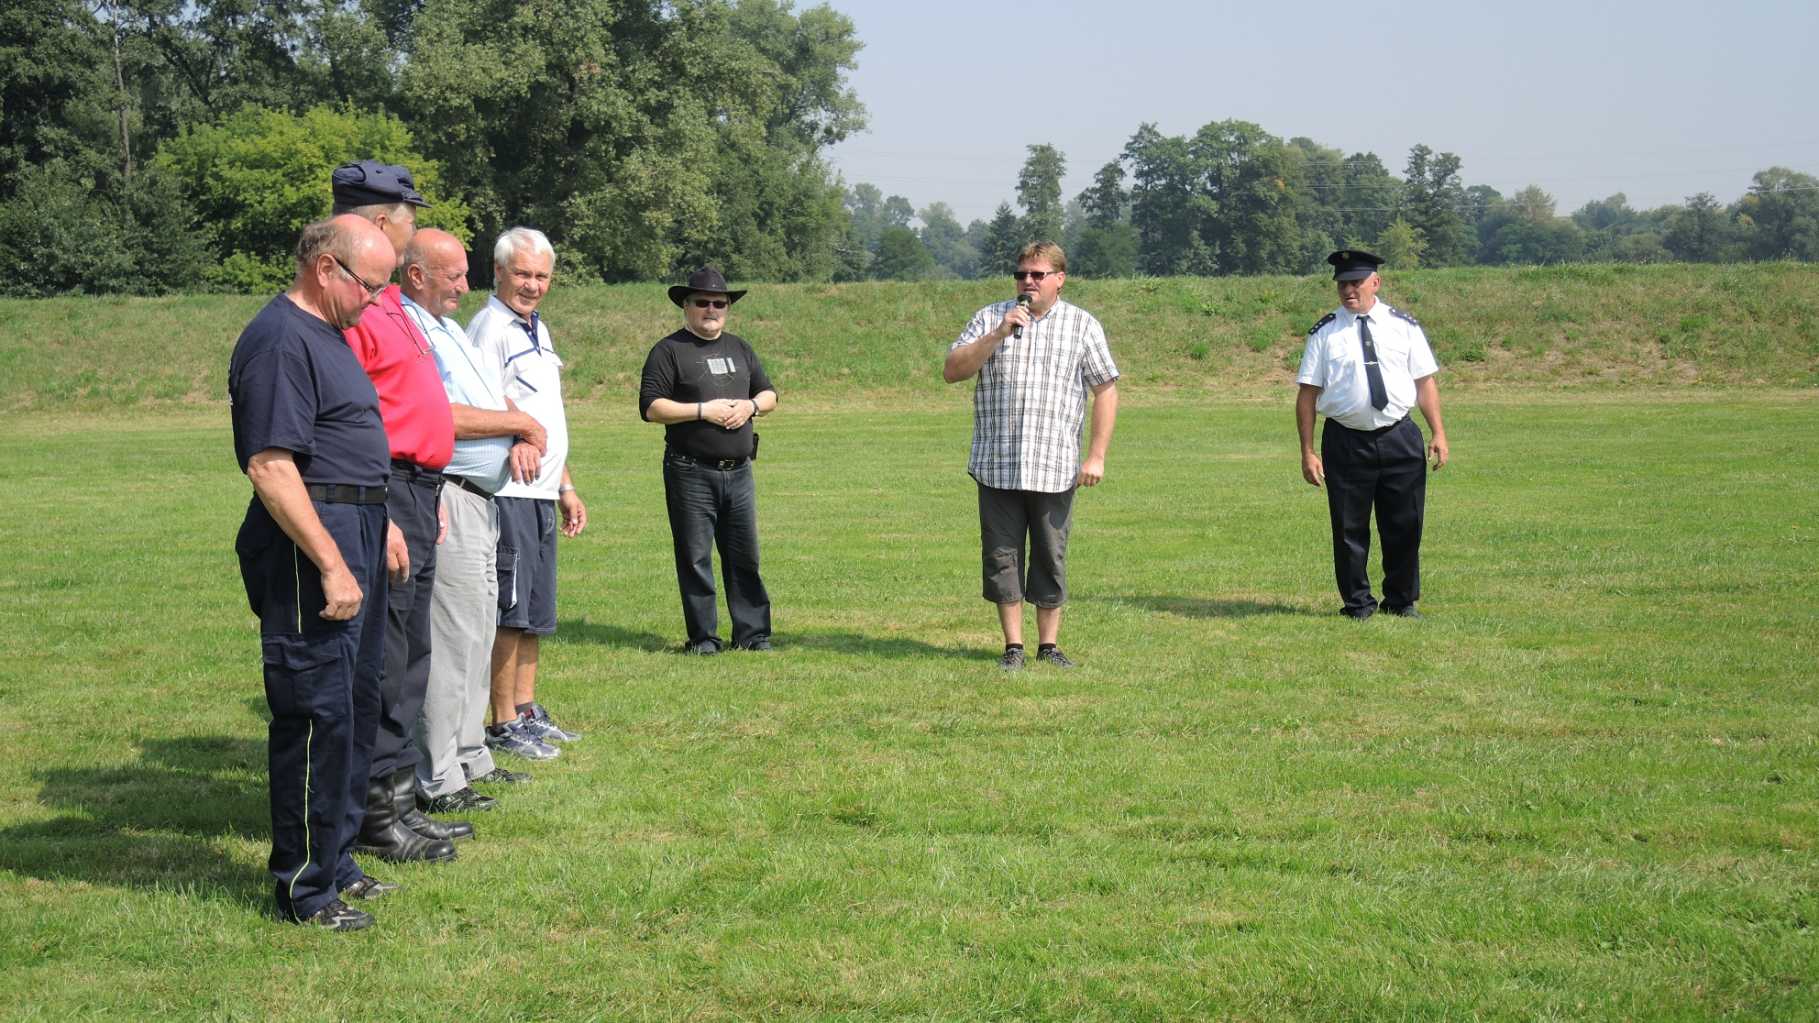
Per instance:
(527,564)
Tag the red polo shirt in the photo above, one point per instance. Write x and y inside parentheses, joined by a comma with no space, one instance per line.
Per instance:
(412,403)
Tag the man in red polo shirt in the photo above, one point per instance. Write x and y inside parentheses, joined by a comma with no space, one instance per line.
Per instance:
(421,432)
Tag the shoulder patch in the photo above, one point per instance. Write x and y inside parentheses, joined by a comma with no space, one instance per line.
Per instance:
(1400,315)
(1323,321)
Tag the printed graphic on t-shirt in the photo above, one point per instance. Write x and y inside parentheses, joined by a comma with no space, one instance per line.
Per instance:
(719,366)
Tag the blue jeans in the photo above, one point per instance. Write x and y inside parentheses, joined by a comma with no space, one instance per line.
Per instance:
(711,507)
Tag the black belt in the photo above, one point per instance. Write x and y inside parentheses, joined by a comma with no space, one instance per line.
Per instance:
(468,485)
(416,473)
(1369,433)
(723,464)
(346,493)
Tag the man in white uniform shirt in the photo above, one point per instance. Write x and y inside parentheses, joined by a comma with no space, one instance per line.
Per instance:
(1366,364)
(464,608)
(510,328)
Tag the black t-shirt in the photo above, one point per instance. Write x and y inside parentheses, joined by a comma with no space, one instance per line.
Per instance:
(295,384)
(684,368)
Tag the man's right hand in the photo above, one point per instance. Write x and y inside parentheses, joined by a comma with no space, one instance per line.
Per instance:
(341,595)
(1312,469)
(1019,316)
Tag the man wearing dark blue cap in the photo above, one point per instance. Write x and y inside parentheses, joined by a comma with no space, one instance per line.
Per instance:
(1366,364)
(420,429)
(706,387)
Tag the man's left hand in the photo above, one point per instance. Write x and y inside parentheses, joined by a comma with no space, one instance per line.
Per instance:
(574,514)
(397,554)
(1091,472)
(1437,451)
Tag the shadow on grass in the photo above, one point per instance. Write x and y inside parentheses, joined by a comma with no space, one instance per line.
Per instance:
(1203,607)
(858,643)
(580,630)
(155,824)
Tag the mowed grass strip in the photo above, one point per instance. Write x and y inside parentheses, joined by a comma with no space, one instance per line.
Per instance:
(1582,788)
(1591,327)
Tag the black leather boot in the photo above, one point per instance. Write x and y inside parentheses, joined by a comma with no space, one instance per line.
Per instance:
(404,798)
(382,835)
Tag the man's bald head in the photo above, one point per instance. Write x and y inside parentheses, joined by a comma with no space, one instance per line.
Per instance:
(435,271)
(342,265)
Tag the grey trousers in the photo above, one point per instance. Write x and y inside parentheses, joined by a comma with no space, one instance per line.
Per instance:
(464,614)
(1009,521)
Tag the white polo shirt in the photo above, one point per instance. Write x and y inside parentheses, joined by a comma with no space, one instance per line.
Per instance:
(533,380)
(1334,362)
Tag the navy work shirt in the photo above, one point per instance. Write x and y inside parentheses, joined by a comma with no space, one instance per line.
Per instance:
(684,368)
(295,384)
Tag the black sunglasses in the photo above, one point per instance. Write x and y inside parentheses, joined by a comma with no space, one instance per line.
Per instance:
(716,303)
(1034,275)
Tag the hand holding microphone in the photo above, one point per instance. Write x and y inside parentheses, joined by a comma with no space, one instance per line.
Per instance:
(1023,302)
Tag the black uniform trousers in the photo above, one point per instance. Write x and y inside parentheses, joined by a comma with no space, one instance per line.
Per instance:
(411,500)
(709,505)
(322,685)
(1386,470)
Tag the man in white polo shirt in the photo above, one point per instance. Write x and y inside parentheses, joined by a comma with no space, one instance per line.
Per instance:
(510,329)
(493,442)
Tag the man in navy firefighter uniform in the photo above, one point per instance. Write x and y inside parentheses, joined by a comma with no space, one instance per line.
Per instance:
(307,433)
(1366,364)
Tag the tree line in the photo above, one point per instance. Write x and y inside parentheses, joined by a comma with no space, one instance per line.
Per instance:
(1234,199)
(150,146)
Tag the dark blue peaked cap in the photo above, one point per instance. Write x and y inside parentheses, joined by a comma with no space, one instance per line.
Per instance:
(371,183)
(1353,264)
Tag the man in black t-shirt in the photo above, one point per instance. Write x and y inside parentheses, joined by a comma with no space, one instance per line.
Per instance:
(706,386)
(307,433)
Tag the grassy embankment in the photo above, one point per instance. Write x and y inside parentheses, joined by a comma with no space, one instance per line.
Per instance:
(1588,326)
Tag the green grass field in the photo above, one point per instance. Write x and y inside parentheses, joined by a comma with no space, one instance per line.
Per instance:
(1583,788)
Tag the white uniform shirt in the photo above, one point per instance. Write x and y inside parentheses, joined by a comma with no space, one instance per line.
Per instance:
(533,380)
(1334,362)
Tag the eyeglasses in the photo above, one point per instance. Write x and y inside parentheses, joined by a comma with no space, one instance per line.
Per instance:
(372,290)
(1034,275)
(714,303)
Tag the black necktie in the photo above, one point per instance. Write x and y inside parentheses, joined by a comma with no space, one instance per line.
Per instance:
(1380,398)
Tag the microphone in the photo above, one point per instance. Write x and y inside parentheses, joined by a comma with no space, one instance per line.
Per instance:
(1023,302)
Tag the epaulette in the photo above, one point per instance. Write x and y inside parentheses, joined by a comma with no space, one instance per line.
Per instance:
(1400,315)
(1324,320)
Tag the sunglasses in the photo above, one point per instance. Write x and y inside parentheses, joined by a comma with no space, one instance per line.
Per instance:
(1034,275)
(711,303)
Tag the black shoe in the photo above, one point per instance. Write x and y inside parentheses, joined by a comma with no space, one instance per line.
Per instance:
(337,916)
(1403,612)
(1054,656)
(1012,660)
(757,645)
(404,799)
(383,835)
(368,888)
(501,776)
(459,801)
(1356,616)
(705,648)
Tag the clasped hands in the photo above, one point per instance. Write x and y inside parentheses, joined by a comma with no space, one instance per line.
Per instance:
(728,413)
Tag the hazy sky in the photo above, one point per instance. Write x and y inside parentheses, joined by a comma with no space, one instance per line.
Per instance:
(1656,100)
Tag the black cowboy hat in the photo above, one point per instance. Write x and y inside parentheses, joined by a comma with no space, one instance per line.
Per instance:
(705,279)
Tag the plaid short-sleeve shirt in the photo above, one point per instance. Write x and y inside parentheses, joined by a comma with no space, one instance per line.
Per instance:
(1030,400)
